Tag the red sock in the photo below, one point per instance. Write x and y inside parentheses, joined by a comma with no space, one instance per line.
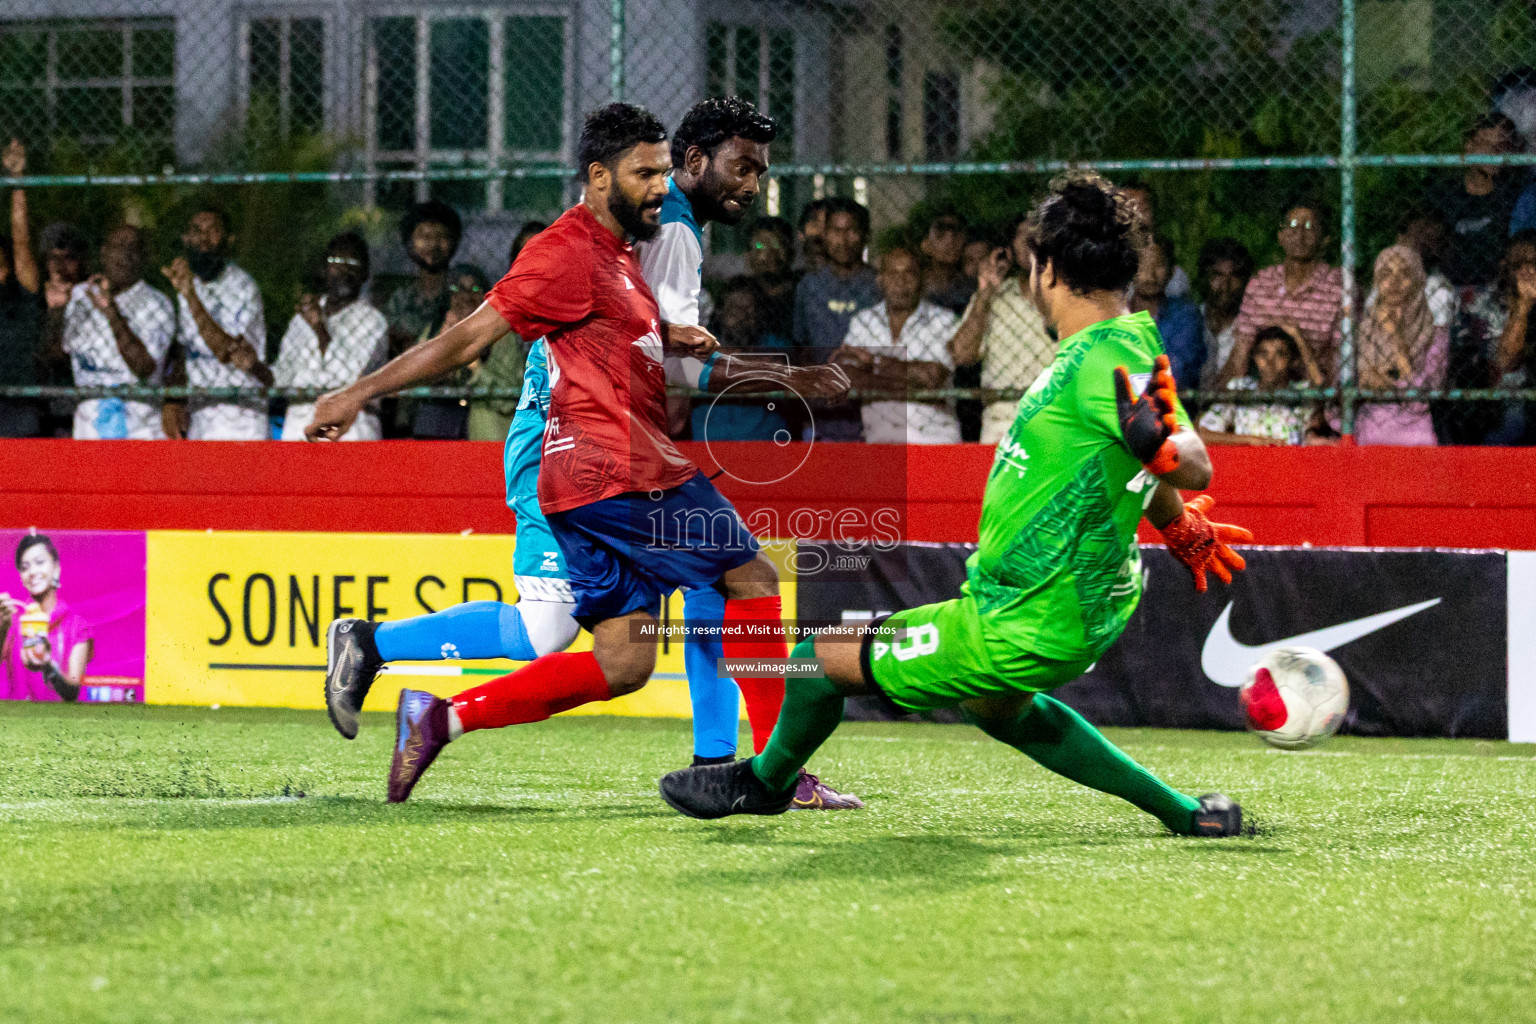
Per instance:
(547,686)
(745,620)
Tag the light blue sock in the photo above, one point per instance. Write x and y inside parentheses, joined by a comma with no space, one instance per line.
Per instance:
(716,700)
(476,629)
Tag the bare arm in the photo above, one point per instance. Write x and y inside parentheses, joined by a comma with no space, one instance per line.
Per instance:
(1511,348)
(14,161)
(965,346)
(458,346)
(134,352)
(234,351)
(1166,505)
(746,375)
(1193,473)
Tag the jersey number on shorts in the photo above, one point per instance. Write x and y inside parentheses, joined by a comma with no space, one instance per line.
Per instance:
(917,642)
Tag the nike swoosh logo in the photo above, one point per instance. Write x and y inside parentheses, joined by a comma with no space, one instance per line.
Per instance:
(738,802)
(1226,661)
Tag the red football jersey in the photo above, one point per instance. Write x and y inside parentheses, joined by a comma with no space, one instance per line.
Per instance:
(580,288)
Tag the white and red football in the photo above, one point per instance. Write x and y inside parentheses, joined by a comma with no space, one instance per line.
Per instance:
(1295,697)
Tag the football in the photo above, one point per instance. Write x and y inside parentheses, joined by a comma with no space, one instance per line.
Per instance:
(1295,697)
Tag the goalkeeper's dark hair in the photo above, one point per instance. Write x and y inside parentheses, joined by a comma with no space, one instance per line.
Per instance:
(1088,231)
(33,540)
(607,133)
(711,124)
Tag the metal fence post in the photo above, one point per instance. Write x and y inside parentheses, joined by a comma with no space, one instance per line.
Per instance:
(616,51)
(1347,260)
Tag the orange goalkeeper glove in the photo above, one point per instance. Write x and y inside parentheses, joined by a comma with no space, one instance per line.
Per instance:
(1146,420)
(1201,544)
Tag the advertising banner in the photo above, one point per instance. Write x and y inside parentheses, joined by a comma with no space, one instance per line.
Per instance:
(240,618)
(1421,634)
(73,601)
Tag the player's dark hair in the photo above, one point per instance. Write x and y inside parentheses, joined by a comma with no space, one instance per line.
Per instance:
(1292,351)
(609,132)
(709,125)
(809,212)
(33,540)
(1216,250)
(225,221)
(842,204)
(1088,231)
(350,243)
(431,212)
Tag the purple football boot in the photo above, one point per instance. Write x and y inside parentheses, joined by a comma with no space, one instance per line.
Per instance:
(421,731)
(811,794)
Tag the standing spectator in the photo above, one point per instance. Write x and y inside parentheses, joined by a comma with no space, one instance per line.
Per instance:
(333,339)
(65,255)
(1277,362)
(1225,266)
(116,330)
(1401,346)
(220,330)
(1145,201)
(1303,293)
(430,233)
(1478,206)
(1003,332)
(1178,320)
(813,225)
(827,299)
(502,365)
(21,308)
(741,327)
(902,342)
(447,419)
(943,248)
(770,255)
(1494,344)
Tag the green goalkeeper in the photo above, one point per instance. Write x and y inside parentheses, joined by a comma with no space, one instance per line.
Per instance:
(1099,441)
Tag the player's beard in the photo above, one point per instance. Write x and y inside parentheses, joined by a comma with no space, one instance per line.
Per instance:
(631,216)
(713,193)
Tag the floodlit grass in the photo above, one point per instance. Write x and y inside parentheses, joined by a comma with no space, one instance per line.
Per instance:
(236,865)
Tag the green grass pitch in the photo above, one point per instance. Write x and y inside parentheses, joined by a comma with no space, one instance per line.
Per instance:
(239,865)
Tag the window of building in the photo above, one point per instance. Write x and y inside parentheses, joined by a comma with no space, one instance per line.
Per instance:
(284,61)
(94,83)
(757,63)
(469,89)
(941,116)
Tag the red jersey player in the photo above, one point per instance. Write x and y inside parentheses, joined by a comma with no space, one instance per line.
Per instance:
(633,517)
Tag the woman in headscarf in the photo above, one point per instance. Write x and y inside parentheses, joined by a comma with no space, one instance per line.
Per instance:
(1400,347)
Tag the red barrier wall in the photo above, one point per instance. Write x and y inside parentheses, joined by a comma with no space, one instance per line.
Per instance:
(1390,497)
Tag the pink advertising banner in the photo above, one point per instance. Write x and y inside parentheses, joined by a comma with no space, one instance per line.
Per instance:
(74,604)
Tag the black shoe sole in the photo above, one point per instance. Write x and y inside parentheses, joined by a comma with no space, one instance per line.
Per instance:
(330,707)
(680,809)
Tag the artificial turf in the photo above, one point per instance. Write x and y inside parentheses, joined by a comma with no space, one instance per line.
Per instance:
(238,865)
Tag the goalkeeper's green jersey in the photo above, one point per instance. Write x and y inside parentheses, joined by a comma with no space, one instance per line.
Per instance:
(1057,571)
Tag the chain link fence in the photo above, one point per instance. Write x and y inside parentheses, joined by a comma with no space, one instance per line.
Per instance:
(1271,141)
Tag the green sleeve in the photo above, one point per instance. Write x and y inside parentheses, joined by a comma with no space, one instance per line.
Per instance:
(1096,403)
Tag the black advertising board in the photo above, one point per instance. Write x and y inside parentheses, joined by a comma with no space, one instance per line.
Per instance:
(1421,634)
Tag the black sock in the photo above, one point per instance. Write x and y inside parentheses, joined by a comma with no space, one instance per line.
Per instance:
(723,759)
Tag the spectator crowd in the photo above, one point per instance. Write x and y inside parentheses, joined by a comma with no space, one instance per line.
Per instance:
(939,305)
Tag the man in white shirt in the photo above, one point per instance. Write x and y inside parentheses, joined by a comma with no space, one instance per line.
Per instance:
(1002,329)
(333,340)
(222,332)
(901,343)
(116,330)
